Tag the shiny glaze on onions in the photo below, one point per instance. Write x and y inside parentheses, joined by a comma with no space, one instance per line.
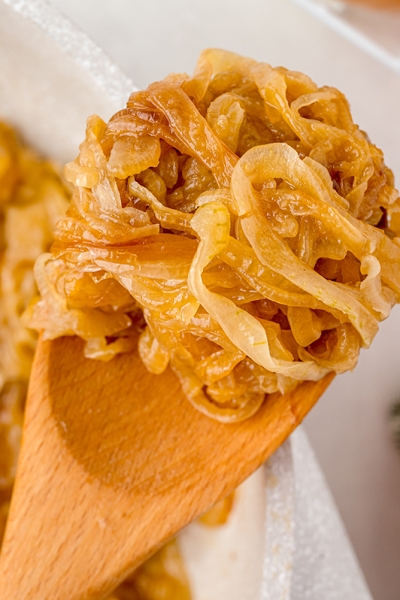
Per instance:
(239,222)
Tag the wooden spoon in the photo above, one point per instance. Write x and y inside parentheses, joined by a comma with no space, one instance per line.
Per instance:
(115,461)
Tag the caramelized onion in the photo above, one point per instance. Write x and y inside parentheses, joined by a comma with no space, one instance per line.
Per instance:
(231,218)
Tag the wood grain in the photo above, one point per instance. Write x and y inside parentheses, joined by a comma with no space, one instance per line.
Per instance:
(114,462)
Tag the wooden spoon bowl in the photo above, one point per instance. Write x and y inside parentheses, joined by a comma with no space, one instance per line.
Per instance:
(115,461)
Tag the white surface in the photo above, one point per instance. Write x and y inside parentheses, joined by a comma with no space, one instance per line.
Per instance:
(226,562)
(311,560)
(376,32)
(348,428)
(280,518)
(320,538)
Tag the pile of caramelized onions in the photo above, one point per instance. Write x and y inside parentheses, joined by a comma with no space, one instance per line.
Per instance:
(239,221)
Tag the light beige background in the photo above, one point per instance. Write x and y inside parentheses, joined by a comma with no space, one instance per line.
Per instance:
(349,428)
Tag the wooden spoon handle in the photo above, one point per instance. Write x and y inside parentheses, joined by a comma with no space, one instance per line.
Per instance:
(114,461)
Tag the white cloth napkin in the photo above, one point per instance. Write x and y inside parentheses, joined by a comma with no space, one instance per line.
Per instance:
(324,565)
